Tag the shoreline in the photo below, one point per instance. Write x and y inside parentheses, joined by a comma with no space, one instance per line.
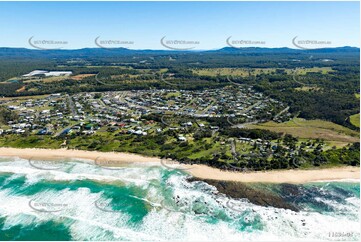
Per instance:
(344,173)
(51,154)
(341,174)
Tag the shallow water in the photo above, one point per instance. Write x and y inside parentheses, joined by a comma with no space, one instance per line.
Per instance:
(80,201)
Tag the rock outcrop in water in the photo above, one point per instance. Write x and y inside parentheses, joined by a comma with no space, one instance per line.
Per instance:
(255,195)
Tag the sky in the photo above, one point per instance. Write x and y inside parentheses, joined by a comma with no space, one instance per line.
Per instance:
(204,25)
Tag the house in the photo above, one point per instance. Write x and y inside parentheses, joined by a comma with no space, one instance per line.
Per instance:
(65,132)
(245,139)
(76,127)
(19,131)
(113,128)
(139,132)
(45,111)
(181,138)
(88,132)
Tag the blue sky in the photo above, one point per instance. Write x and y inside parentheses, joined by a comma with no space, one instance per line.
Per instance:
(209,23)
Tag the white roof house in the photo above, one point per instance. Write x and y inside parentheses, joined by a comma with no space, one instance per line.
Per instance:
(182,138)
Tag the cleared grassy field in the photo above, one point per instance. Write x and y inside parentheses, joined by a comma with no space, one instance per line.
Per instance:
(23,97)
(323,70)
(81,76)
(48,79)
(22,89)
(125,75)
(120,67)
(355,120)
(244,72)
(312,129)
(307,89)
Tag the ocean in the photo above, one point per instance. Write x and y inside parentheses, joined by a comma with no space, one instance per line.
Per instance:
(77,200)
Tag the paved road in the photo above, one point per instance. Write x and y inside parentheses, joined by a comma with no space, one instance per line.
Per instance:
(61,131)
(244,125)
(301,83)
(71,105)
(245,111)
(280,113)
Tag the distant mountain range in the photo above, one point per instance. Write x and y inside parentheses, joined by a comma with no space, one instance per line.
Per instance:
(99,52)
(285,50)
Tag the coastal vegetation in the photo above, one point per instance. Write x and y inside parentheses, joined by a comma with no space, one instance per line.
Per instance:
(269,150)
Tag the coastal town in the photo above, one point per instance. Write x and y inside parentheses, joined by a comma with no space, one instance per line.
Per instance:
(180,118)
(85,113)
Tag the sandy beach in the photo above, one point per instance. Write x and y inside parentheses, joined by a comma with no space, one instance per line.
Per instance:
(282,176)
(52,154)
(199,171)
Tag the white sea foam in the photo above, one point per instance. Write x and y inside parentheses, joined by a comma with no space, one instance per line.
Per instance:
(171,214)
(78,171)
(337,180)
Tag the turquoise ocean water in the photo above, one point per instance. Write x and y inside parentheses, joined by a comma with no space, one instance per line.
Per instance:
(77,200)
